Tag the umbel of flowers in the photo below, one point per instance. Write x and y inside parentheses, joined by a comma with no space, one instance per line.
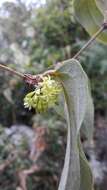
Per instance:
(45,95)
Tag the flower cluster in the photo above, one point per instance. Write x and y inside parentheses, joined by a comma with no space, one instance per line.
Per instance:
(44,96)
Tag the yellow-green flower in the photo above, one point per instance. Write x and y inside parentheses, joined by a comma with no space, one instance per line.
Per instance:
(44,96)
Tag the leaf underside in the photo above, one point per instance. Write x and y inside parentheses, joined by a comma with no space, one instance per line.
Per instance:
(76,92)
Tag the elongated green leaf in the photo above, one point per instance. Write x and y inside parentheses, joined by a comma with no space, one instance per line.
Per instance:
(90,16)
(75,85)
(85,171)
(60,107)
(87,128)
(70,178)
(88,122)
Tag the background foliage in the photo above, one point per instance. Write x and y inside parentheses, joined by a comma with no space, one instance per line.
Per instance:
(42,36)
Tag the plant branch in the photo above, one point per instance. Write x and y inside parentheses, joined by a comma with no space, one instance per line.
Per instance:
(12,71)
(31,79)
(102,28)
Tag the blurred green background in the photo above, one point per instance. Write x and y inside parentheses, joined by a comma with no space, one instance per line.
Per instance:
(33,38)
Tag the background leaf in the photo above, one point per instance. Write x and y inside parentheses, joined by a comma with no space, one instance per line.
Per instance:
(90,16)
(102,5)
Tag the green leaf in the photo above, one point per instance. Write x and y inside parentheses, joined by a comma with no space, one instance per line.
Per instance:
(88,123)
(85,171)
(78,87)
(90,16)
(76,91)
(87,128)
(71,171)
(60,107)
(102,5)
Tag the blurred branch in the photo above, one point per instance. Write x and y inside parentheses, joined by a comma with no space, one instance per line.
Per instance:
(102,28)
(13,72)
(24,174)
(34,79)
(30,79)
